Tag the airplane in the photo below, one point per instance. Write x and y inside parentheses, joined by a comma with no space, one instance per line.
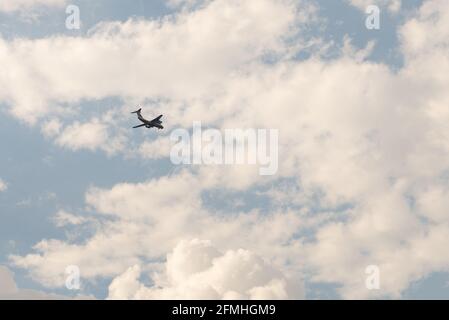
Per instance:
(156,122)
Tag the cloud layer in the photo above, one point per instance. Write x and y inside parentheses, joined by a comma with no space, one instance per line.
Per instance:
(363,149)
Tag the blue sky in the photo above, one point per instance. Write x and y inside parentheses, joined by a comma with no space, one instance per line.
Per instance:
(46,173)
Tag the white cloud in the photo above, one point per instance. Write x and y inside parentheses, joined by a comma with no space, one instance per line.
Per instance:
(428,31)
(51,128)
(10,291)
(92,135)
(63,218)
(159,148)
(3,185)
(178,57)
(197,270)
(145,214)
(25,5)
(392,5)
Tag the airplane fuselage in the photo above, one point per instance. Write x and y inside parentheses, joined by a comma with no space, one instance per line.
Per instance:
(151,124)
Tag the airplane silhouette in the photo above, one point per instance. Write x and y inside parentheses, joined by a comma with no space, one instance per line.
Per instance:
(156,122)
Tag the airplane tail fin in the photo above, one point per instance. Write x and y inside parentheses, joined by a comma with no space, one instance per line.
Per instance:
(138,111)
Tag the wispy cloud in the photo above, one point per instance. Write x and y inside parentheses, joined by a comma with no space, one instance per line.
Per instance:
(10,6)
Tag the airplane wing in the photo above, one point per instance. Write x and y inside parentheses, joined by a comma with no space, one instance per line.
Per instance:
(139,126)
(158,118)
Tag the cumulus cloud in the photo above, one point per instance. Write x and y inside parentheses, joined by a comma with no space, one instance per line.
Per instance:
(178,57)
(144,214)
(197,270)
(417,42)
(365,149)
